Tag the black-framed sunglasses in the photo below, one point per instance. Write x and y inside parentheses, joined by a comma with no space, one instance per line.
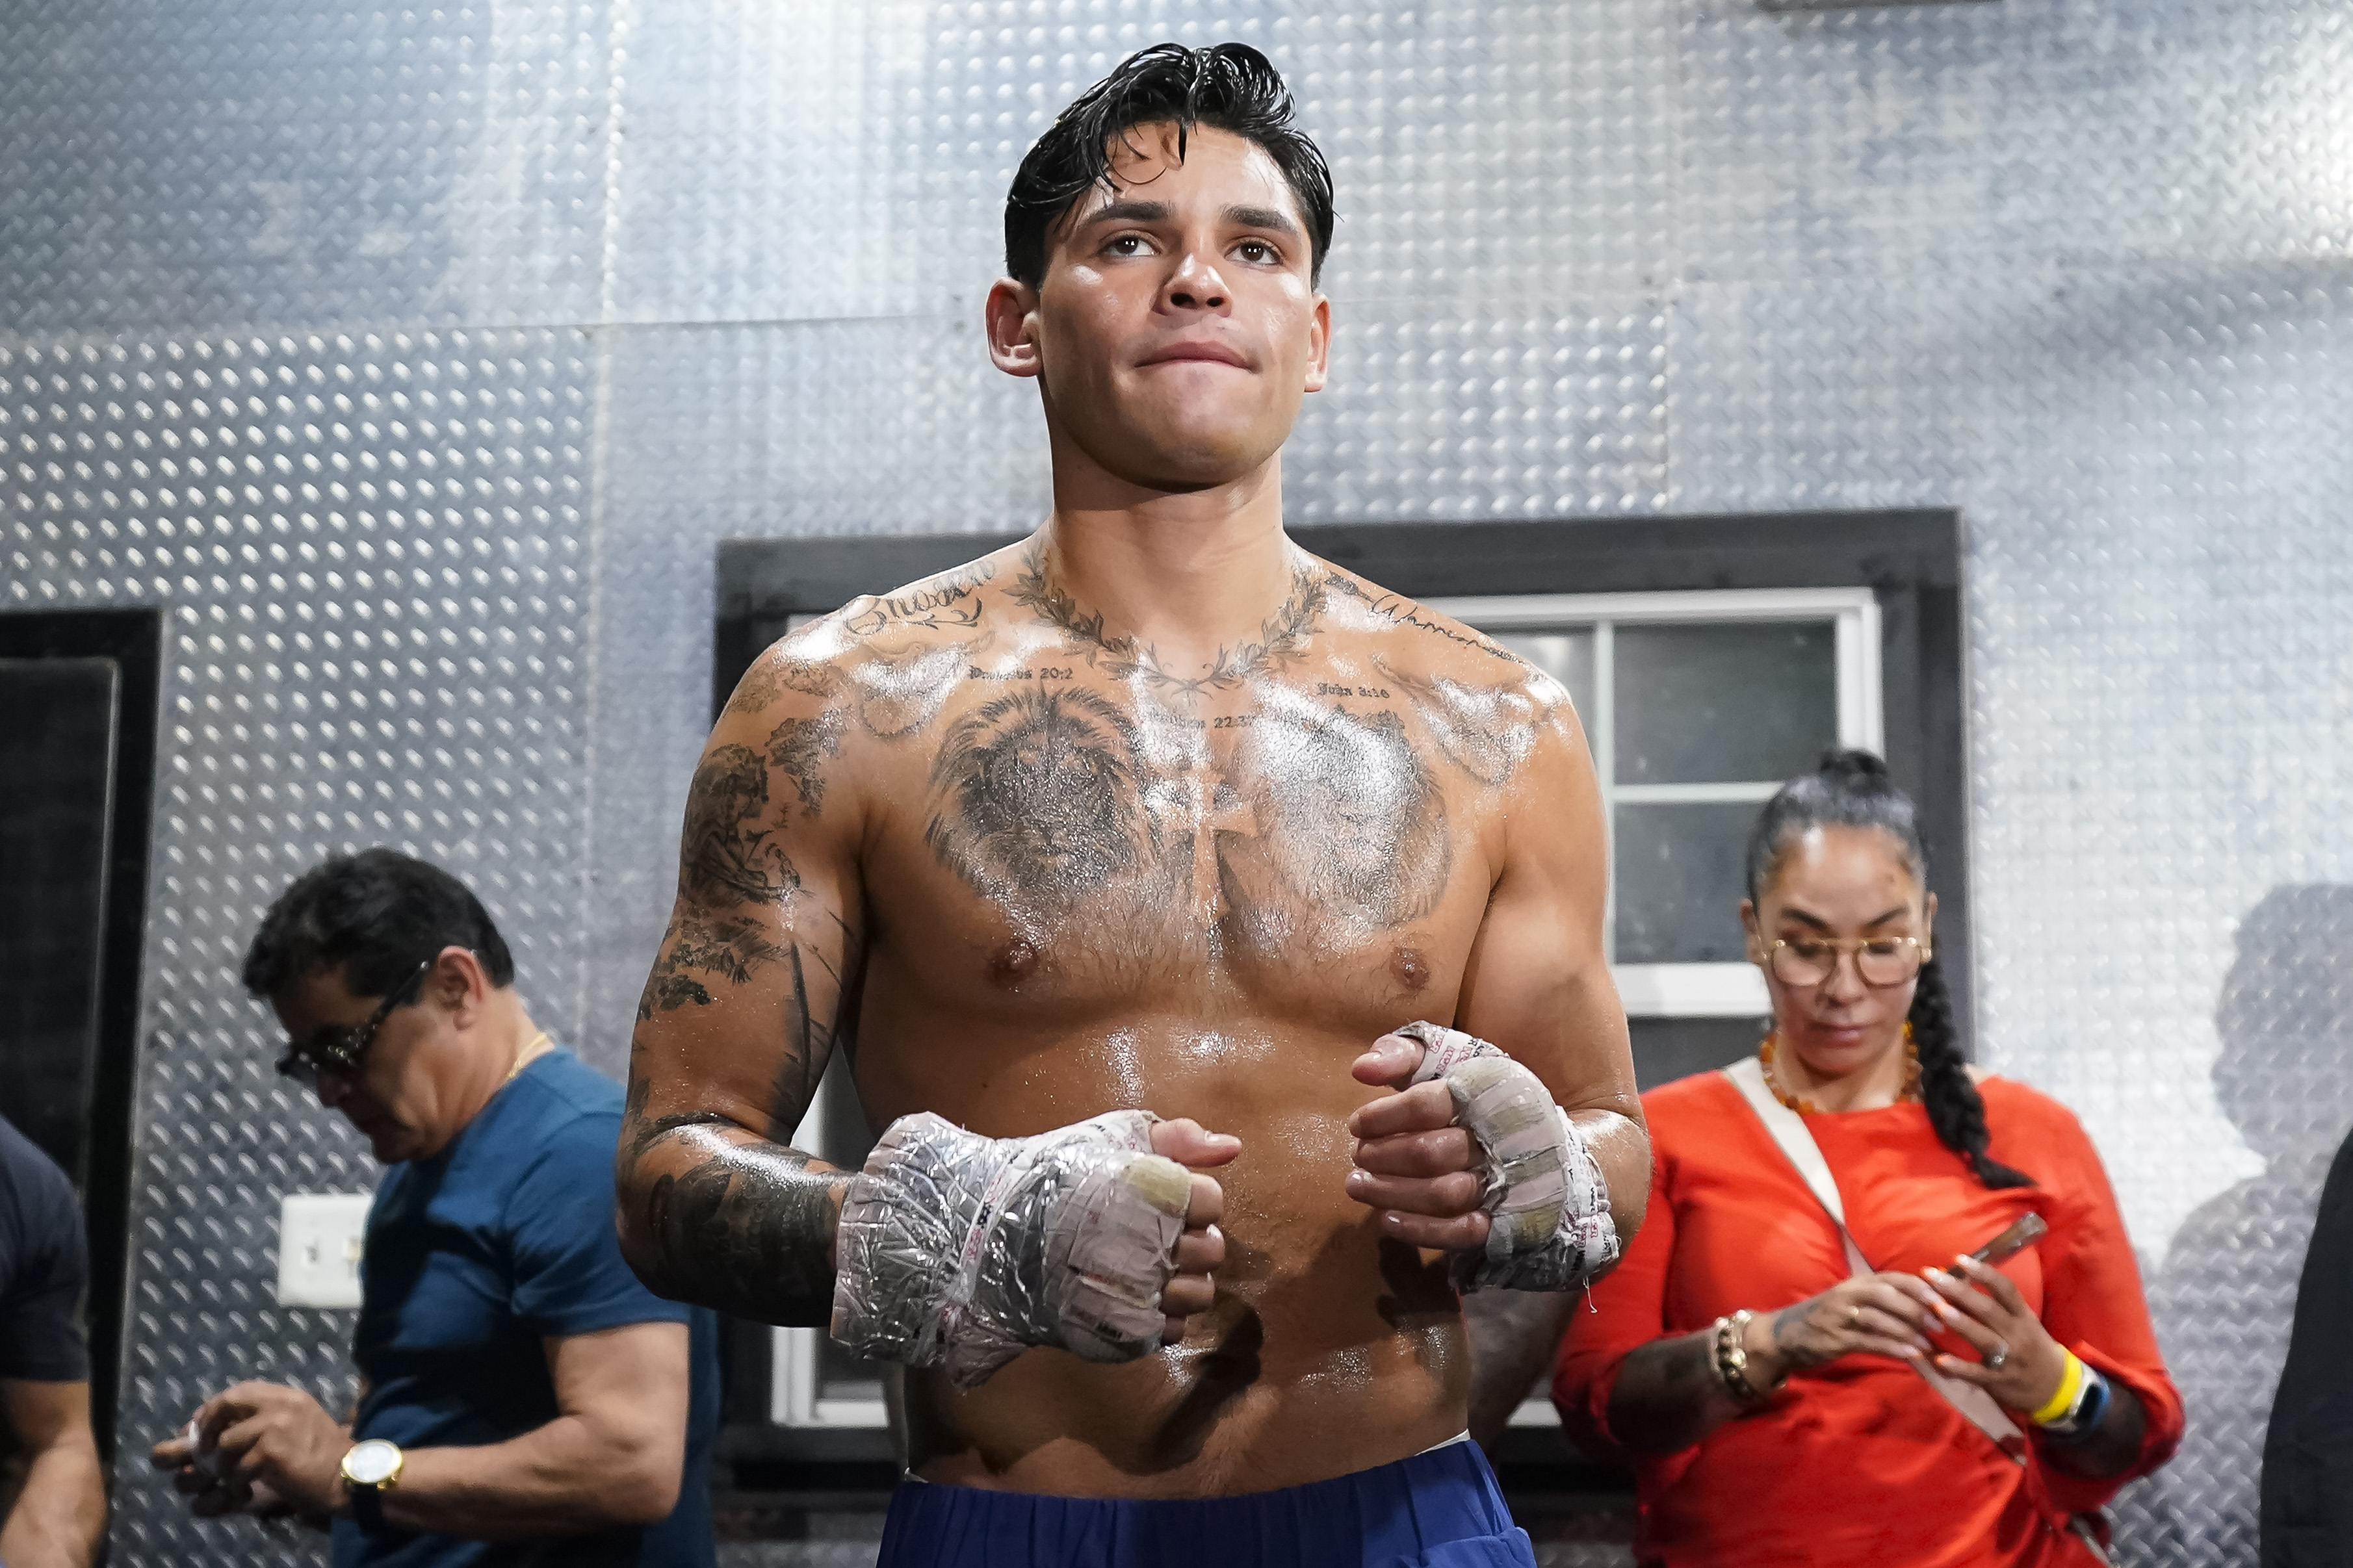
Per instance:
(344,1050)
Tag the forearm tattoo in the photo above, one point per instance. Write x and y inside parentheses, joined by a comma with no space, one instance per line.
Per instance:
(747,1230)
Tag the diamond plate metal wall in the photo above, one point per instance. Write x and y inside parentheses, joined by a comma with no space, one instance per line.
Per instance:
(624,278)
(374,548)
(171,168)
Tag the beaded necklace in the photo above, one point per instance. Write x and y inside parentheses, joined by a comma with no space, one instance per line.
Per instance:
(1770,1047)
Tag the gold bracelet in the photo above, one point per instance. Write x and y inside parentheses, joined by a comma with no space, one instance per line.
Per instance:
(1732,1357)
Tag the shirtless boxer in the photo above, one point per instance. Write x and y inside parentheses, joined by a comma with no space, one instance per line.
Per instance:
(1151,815)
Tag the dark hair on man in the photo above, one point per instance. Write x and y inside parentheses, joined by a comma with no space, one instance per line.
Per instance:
(376,916)
(1231,88)
(1852,789)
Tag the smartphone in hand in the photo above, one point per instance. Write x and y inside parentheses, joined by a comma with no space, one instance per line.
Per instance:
(2024,1233)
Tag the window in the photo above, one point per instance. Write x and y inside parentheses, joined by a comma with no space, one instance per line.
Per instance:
(1697,707)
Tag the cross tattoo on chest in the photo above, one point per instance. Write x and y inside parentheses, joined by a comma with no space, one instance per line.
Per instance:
(1208,818)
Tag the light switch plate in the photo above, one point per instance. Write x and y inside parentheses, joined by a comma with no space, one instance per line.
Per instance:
(319,1238)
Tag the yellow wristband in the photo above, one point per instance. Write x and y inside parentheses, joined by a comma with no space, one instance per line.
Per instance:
(2070,1383)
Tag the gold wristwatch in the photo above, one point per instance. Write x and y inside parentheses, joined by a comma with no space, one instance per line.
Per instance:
(371,1469)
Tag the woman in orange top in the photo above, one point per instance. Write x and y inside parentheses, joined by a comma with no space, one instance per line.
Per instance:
(1772,1401)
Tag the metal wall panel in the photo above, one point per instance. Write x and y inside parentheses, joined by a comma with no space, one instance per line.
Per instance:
(170,167)
(2074,266)
(2077,130)
(375,550)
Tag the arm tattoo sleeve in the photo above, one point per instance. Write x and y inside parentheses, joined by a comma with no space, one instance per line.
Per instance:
(748,1229)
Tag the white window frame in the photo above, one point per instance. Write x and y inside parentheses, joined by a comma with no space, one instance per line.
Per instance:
(793,1396)
(1649,990)
(1693,990)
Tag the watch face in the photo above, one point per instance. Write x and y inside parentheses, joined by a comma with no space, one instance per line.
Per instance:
(372,1463)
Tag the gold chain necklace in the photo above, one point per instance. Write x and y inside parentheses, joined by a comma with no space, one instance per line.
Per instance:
(1769,1048)
(529,1053)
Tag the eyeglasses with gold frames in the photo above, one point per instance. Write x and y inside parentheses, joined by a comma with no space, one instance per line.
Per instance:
(1881,961)
(344,1050)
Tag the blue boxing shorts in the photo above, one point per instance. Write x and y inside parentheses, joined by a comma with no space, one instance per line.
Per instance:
(1440,1509)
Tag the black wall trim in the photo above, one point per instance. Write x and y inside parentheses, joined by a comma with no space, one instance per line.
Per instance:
(134,640)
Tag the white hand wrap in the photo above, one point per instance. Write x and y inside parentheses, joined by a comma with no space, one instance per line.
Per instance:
(1547,1206)
(962,1251)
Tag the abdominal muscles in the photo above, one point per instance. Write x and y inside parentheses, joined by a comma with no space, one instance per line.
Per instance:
(1328,1349)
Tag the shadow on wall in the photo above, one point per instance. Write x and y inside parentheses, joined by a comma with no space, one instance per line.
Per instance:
(2223,1302)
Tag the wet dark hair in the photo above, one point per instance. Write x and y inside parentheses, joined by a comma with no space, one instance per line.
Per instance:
(376,916)
(1853,789)
(1231,88)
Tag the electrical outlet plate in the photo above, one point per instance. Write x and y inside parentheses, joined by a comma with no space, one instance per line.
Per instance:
(319,1240)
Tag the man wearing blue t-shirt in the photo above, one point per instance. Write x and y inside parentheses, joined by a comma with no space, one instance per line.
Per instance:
(523,1398)
(47,1456)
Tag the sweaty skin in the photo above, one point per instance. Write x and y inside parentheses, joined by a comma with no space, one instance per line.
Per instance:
(1151,810)
(1057,888)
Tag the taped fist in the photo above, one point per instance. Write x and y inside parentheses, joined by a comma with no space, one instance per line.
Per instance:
(1488,1141)
(962,1251)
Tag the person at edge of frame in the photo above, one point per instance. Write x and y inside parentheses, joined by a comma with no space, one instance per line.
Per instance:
(2307,1481)
(523,1398)
(1151,815)
(1793,1389)
(52,1490)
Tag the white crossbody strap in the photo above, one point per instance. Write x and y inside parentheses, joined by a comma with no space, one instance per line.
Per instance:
(1789,1131)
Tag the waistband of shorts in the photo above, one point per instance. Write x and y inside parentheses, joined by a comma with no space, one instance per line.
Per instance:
(1464,1437)
(1456,1460)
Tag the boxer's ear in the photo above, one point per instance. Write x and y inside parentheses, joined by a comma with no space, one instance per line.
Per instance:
(1011,316)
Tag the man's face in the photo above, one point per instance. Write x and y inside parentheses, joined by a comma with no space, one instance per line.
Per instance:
(394,1100)
(1177,328)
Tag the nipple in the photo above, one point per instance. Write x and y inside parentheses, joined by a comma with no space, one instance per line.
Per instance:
(1408,966)
(1011,964)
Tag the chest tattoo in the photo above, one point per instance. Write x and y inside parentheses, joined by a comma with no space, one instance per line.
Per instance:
(1037,798)
(1350,821)
(1207,805)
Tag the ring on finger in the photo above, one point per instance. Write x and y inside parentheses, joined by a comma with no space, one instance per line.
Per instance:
(1999,1357)
(1854,1314)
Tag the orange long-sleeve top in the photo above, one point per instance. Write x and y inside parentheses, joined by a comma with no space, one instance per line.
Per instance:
(1860,1461)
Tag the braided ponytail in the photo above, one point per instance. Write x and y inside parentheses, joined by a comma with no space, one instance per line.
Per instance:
(1853,789)
(1950,1096)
